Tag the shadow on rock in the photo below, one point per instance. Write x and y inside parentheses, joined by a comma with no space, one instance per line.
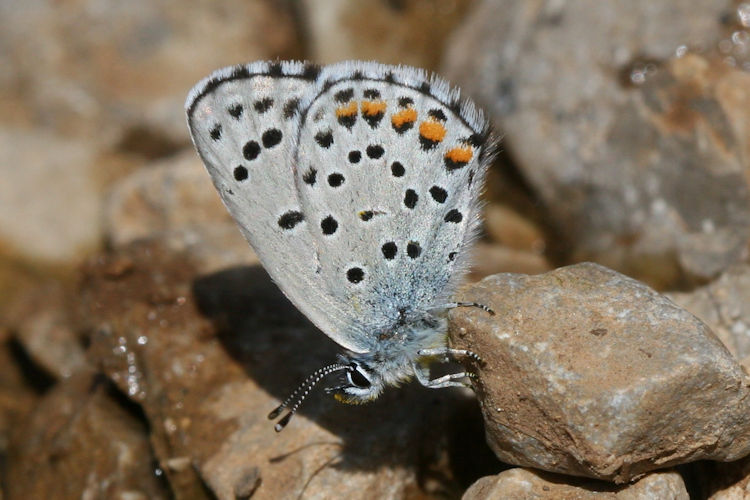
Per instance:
(278,347)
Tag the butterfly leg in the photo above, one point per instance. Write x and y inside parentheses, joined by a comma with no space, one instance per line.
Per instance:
(453,305)
(449,353)
(422,373)
(451,380)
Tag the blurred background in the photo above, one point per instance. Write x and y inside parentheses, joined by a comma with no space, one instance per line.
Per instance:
(625,138)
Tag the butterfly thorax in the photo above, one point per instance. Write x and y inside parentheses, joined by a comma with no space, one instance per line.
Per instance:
(394,357)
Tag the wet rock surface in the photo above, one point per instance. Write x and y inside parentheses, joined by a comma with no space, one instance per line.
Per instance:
(644,160)
(81,441)
(591,373)
(206,397)
(525,483)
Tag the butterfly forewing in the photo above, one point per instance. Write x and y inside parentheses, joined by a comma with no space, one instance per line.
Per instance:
(243,122)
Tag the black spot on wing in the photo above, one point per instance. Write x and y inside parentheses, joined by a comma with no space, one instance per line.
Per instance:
(235,110)
(410,198)
(290,219)
(389,250)
(355,274)
(343,96)
(216,132)
(375,151)
(310,176)
(251,150)
(271,137)
(413,249)
(454,216)
(263,105)
(240,173)
(290,107)
(324,139)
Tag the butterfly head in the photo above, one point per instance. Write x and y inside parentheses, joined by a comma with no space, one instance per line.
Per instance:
(362,384)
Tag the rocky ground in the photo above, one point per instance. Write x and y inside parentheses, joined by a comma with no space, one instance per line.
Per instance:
(142,345)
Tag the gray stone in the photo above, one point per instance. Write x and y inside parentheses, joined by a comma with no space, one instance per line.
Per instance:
(648,177)
(523,484)
(174,201)
(40,321)
(724,305)
(118,73)
(588,372)
(49,198)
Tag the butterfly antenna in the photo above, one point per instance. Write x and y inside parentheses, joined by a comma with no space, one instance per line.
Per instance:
(301,392)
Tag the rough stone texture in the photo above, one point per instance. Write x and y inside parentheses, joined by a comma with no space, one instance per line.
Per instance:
(492,259)
(724,305)
(507,227)
(206,397)
(523,484)
(591,373)
(648,178)
(49,199)
(417,30)
(17,398)
(722,481)
(118,72)
(79,442)
(39,321)
(174,201)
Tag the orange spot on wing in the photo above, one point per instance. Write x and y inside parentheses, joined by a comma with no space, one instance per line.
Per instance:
(404,116)
(432,130)
(372,108)
(348,110)
(460,155)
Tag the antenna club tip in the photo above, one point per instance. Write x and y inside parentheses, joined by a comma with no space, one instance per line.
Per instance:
(275,413)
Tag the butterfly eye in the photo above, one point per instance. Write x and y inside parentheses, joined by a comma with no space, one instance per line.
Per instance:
(357,379)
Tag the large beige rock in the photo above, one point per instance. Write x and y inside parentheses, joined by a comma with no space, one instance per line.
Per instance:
(591,373)
(523,484)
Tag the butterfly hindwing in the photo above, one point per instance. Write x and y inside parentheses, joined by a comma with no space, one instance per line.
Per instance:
(397,163)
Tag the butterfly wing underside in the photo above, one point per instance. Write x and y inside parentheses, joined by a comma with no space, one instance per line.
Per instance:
(389,167)
(243,121)
(356,184)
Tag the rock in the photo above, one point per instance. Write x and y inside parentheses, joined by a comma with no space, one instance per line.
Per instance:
(590,373)
(50,198)
(722,481)
(643,164)
(39,320)
(417,31)
(507,227)
(119,74)
(521,484)
(174,201)
(724,305)
(206,388)
(80,442)
(492,259)
(17,396)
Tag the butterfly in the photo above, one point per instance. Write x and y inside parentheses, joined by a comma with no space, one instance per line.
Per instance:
(357,185)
